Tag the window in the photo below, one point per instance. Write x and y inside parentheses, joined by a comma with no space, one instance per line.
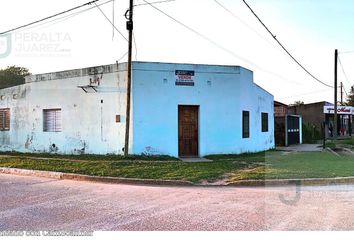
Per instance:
(4,119)
(245,124)
(264,122)
(51,120)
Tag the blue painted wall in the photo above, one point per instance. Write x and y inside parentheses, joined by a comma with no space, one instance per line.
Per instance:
(221,92)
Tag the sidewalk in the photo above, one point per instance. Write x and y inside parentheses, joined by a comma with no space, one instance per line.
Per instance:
(302,148)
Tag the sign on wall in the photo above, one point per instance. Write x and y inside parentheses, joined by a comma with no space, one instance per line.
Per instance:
(340,110)
(184,78)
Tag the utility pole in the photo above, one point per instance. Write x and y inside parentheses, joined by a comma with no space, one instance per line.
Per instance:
(335,129)
(341,93)
(129,17)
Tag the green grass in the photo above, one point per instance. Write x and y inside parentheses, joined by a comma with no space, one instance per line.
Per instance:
(349,141)
(299,166)
(194,172)
(264,165)
(93,157)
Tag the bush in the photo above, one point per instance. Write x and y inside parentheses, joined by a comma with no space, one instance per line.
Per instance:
(310,133)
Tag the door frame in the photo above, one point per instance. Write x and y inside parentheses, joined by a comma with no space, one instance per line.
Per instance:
(198,125)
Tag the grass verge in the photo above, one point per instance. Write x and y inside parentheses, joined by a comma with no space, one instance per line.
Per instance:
(265,165)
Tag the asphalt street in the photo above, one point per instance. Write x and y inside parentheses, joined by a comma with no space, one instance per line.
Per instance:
(31,203)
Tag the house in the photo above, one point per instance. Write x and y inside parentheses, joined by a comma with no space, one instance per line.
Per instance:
(176,109)
(319,113)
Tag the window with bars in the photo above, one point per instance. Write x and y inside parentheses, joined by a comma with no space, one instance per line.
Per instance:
(264,122)
(52,120)
(245,124)
(4,119)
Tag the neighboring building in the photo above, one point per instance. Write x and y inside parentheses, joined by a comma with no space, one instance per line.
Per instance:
(316,114)
(345,115)
(287,127)
(177,109)
(280,109)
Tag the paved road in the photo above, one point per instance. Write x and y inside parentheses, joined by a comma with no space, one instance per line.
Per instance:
(29,203)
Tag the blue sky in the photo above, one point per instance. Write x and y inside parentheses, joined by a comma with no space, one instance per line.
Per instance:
(311,30)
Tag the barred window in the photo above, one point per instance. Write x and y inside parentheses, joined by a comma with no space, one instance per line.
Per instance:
(245,124)
(51,120)
(4,119)
(264,122)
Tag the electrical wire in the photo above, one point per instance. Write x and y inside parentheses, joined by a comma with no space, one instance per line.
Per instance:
(61,19)
(345,91)
(218,45)
(245,24)
(308,93)
(136,48)
(143,4)
(282,46)
(345,52)
(111,22)
(46,18)
(113,3)
(345,75)
(125,54)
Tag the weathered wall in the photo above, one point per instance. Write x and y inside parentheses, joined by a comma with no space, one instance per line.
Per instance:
(222,93)
(88,124)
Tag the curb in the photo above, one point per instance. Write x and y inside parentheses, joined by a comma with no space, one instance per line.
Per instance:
(290,182)
(81,177)
(137,181)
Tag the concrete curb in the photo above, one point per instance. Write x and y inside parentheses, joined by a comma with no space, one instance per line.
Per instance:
(332,151)
(136,181)
(292,182)
(80,177)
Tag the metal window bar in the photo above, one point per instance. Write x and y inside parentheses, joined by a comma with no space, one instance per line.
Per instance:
(245,124)
(5,119)
(52,120)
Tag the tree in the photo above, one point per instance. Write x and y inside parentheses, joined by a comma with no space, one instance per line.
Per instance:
(350,97)
(12,76)
(297,103)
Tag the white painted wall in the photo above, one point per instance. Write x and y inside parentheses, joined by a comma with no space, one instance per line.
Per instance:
(222,92)
(87,124)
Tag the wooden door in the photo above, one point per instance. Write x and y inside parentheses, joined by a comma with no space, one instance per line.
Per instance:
(188,131)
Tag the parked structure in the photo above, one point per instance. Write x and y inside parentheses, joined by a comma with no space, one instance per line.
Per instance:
(287,127)
(177,109)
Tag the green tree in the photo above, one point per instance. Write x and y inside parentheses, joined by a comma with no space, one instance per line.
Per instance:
(297,103)
(350,98)
(12,76)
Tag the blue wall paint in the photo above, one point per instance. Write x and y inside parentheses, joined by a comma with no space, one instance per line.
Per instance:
(155,108)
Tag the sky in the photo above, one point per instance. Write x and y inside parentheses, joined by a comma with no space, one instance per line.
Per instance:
(310,29)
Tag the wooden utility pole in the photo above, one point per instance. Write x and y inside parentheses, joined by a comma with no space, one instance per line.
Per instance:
(335,127)
(341,93)
(129,75)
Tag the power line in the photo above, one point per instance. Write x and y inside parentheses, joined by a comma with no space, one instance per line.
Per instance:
(344,52)
(63,18)
(244,23)
(111,22)
(308,93)
(280,44)
(143,4)
(46,18)
(136,48)
(345,75)
(345,91)
(217,44)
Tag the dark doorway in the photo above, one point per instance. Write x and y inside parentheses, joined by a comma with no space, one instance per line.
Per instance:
(293,130)
(188,131)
